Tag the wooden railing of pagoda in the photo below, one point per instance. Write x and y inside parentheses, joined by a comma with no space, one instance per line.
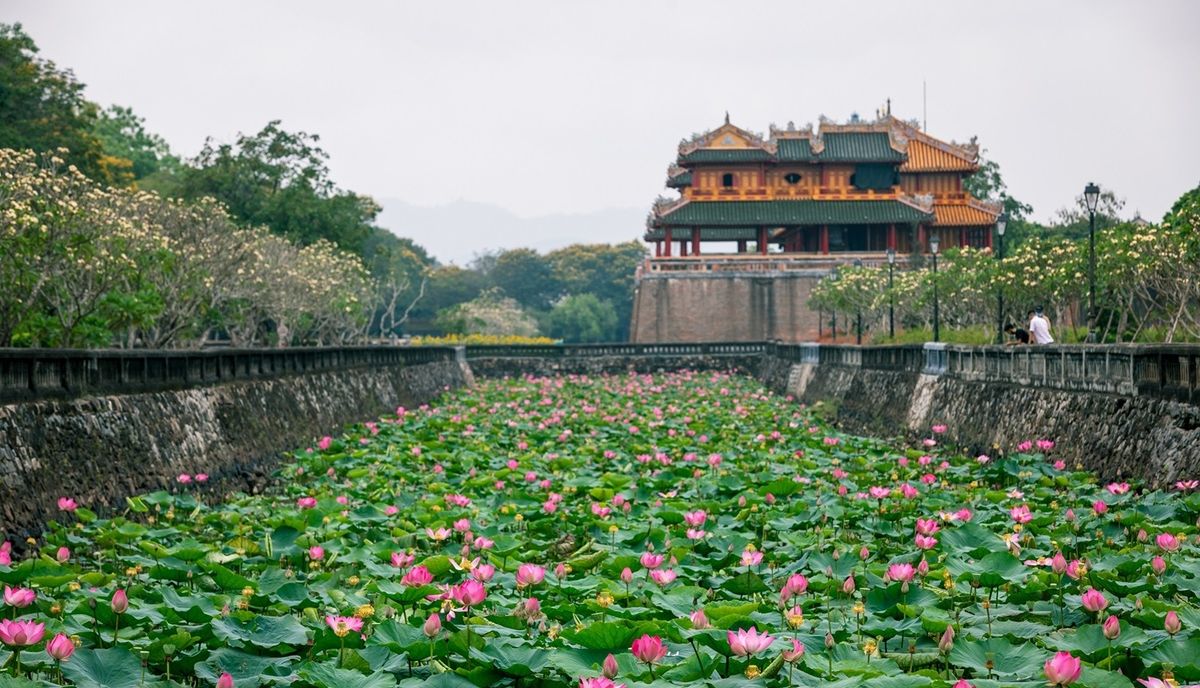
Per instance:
(772,262)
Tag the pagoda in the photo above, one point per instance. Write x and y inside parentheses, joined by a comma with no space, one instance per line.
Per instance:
(847,191)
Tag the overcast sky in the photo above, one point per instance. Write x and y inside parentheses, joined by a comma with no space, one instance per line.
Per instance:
(565,107)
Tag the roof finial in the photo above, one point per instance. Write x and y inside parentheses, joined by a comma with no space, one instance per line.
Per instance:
(889,107)
(727,117)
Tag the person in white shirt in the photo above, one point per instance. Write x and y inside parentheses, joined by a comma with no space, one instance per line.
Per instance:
(1039,327)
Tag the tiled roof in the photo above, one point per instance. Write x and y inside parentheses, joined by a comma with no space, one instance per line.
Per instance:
(680,180)
(706,234)
(923,157)
(962,215)
(726,155)
(780,213)
(859,147)
(795,150)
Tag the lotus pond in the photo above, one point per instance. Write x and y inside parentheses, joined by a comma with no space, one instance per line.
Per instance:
(678,529)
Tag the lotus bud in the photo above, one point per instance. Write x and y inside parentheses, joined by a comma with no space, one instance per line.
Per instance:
(60,647)
(848,585)
(699,619)
(1059,563)
(120,602)
(626,575)
(62,555)
(433,626)
(226,681)
(609,668)
(829,641)
(1112,627)
(1142,535)
(947,640)
(923,567)
(864,553)
(1158,564)
(1172,624)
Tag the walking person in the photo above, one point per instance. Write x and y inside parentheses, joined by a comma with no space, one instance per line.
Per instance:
(1039,327)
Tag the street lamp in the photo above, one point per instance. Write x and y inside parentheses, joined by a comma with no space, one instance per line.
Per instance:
(1001,224)
(933,248)
(833,275)
(891,254)
(1091,196)
(858,314)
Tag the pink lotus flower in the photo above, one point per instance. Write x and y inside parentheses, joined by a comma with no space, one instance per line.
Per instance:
(1076,569)
(201,477)
(879,492)
(343,625)
(696,518)
(1099,507)
(1093,600)
(1184,485)
(432,626)
(747,643)
(21,633)
(1167,542)
(67,504)
(19,597)
(1021,514)
(316,553)
(751,557)
(324,443)
(927,526)
(1045,445)
(120,602)
(225,681)
(1025,446)
(417,576)
(699,619)
(402,560)
(530,574)
(1158,564)
(663,577)
(925,542)
(1154,683)
(793,654)
(60,648)
(63,555)
(483,573)
(963,683)
(183,479)
(1172,624)
(796,584)
(848,585)
(938,429)
(599,682)
(648,649)
(651,560)
(1063,669)
(1117,488)
(437,535)
(307,502)
(469,593)
(901,573)
(946,642)
(626,575)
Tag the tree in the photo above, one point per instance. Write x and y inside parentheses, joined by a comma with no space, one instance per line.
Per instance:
(400,270)
(123,135)
(987,184)
(279,179)
(605,270)
(42,108)
(583,318)
(526,276)
(489,313)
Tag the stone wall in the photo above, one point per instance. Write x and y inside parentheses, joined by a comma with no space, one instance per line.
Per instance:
(503,366)
(101,449)
(724,306)
(1115,435)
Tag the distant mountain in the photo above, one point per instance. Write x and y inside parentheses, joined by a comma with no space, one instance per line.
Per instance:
(455,232)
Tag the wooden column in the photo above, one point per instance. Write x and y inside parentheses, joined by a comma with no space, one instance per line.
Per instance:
(762,240)
(825,239)
(921,248)
(741,245)
(695,241)
(891,239)
(987,236)
(962,237)
(658,249)
(667,242)
(683,244)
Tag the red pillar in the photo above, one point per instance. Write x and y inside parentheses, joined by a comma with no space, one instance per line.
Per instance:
(667,242)
(658,249)
(762,240)
(891,239)
(683,244)
(825,239)
(695,241)
(921,238)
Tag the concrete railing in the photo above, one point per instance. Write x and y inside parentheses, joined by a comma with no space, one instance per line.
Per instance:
(32,374)
(638,350)
(1166,371)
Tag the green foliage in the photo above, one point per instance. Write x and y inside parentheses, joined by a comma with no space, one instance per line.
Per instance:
(583,318)
(489,313)
(526,276)
(42,108)
(605,270)
(123,135)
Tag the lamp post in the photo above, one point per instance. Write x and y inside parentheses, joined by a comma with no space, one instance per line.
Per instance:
(1091,196)
(933,248)
(858,314)
(891,254)
(833,275)
(1001,224)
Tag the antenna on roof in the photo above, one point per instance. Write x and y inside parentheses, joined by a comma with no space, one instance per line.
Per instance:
(924,107)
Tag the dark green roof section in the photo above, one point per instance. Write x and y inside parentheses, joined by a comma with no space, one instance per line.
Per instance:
(704,155)
(859,147)
(795,150)
(680,180)
(783,213)
(706,234)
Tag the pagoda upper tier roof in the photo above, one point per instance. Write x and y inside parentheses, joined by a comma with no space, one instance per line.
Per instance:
(887,139)
(790,212)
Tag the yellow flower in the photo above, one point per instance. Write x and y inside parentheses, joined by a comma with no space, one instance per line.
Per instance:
(364,611)
(752,671)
